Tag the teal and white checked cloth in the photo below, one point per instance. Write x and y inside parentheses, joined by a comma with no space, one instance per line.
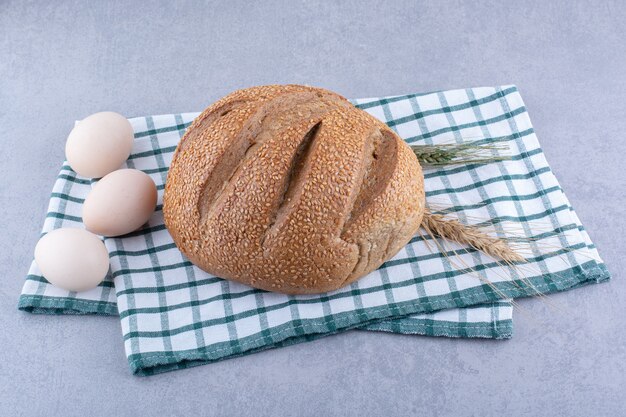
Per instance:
(174,315)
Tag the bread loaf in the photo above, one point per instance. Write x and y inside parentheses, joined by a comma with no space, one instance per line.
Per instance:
(291,189)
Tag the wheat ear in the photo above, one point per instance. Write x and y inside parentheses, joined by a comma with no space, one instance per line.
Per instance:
(461,153)
(456,231)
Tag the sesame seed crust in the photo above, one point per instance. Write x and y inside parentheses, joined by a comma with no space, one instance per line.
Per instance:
(291,189)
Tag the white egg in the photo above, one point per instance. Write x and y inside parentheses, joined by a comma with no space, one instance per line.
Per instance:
(72,259)
(99,144)
(120,203)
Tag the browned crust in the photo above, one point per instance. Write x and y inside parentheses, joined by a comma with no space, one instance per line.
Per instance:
(291,189)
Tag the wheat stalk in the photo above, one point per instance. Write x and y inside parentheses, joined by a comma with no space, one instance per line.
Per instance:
(460,153)
(456,231)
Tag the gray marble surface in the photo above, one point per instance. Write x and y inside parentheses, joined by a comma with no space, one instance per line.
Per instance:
(61,61)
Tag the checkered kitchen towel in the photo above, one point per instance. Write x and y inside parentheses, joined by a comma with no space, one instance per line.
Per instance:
(175,315)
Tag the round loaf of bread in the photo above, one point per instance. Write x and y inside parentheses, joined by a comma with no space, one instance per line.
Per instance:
(291,189)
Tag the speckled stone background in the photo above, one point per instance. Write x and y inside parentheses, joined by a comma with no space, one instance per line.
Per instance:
(61,61)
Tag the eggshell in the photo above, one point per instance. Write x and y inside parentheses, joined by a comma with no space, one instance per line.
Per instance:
(72,259)
(120,203)
(99,144)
